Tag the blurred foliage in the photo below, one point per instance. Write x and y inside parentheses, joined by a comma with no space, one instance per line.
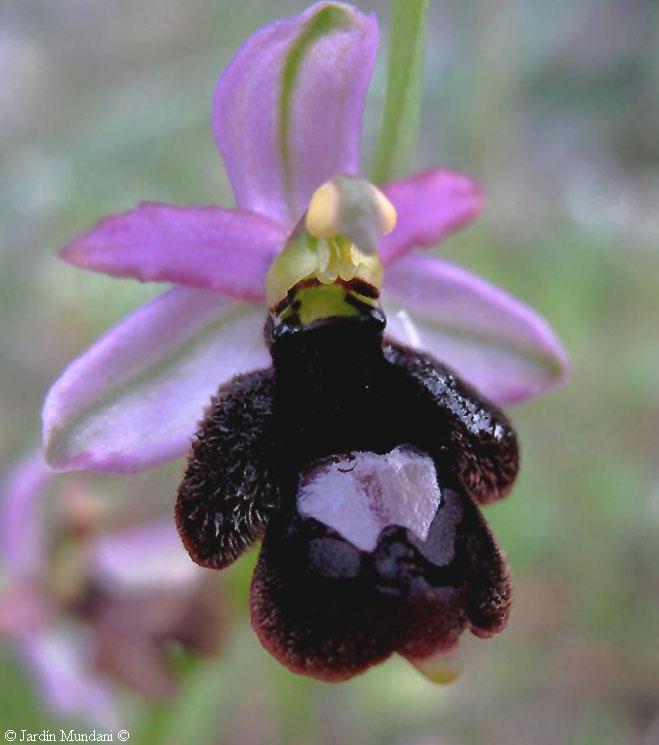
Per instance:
(553,106)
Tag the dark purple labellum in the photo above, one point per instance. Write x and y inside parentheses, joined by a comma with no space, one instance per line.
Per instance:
(361,463)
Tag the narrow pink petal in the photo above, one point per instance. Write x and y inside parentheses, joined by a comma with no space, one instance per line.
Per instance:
(287,111)
(207,247)
(134,398)
(21,531)
(61,661)
(144,558)
(494,341)
(430,205)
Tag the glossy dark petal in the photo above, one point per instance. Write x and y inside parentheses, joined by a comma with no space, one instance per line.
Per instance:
(453,422)
(326,609)
(230,487)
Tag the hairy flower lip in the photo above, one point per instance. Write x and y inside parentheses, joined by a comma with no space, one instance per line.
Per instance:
(336,626)
(322,578)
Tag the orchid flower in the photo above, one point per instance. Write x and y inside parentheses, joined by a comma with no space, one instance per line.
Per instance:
(336,435)
(286,118)
(87,610)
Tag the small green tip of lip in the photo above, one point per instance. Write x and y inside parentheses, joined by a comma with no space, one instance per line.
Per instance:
(441,668)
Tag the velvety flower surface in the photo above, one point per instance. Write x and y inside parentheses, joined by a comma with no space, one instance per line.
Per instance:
(326,608)
(286,118)
(361,463)
(88,608)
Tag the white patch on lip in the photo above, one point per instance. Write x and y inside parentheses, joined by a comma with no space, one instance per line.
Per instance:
(362,493)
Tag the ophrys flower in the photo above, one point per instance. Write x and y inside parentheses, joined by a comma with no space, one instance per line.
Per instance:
(343,412)
(360,461)
(287,118)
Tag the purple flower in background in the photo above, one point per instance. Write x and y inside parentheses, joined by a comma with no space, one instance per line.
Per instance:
(360,459)
(89,609)
(286,118)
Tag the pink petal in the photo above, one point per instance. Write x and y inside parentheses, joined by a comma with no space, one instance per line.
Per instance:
(430,205)
(287,111)
(207,247)
(145,558)
(21,531)
(24,608)
(61,660)
(494,341)
(134,398)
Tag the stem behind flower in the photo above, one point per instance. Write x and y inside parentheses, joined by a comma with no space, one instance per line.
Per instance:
(404,87)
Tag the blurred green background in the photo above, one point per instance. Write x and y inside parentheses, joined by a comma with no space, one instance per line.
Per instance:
(554,108)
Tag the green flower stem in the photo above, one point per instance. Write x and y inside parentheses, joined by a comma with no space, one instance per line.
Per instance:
(195,714)
(402,106)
